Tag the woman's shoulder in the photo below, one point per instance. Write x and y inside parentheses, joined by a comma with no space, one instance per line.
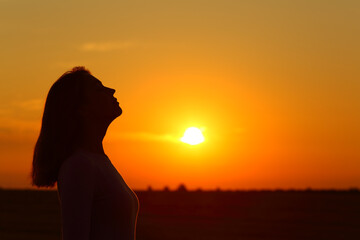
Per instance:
(77,163)
(77,175)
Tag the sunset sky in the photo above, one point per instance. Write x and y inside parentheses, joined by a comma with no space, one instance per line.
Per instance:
(274,86)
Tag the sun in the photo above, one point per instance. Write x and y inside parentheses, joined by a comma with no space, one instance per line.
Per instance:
(192,136)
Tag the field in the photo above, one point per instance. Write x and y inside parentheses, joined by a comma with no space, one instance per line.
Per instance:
(245,215)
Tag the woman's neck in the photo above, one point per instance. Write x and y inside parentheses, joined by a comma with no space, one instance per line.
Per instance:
(93,137)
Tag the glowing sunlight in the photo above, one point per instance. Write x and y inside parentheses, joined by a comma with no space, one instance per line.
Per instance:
(193,136)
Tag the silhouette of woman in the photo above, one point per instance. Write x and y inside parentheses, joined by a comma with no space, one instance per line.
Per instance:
(95,201)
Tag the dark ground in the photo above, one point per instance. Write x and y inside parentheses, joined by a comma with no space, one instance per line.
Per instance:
(26,214)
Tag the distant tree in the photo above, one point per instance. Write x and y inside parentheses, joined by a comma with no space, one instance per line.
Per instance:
(149,189)
(181,188)
(198,190)
(166,189)
(218,189)
(353,189)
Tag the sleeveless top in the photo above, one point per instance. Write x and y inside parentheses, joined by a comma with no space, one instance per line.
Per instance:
(95,201)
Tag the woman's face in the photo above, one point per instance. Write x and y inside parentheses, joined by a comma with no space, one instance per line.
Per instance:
(100,103)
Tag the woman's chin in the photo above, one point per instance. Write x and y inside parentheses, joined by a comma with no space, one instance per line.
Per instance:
(118,112)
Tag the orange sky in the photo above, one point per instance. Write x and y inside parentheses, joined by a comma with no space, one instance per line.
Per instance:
(275,85)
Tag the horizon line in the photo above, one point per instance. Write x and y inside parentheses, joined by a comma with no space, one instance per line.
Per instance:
(309,189)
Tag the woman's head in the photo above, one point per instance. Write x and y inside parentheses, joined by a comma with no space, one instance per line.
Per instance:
(73,100)
(99,104)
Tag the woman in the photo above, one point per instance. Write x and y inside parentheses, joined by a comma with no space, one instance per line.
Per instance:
(95,201)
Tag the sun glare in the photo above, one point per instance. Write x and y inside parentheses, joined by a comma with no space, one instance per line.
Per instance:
(192,136)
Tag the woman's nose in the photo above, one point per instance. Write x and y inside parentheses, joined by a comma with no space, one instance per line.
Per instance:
(112,91)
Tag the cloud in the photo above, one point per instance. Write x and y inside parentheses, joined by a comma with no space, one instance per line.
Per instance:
(4,112)
(29,104)
(146,136)
(17,118)
(14,129)
(16,111)
(106,46)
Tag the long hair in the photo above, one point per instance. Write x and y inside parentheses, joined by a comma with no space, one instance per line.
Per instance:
(61,127)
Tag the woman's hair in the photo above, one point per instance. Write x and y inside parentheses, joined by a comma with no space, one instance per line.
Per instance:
(61,126)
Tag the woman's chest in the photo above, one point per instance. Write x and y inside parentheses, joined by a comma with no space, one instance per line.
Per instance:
(112,193)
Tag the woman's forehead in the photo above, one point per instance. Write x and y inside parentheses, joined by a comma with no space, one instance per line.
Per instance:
(95,80)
